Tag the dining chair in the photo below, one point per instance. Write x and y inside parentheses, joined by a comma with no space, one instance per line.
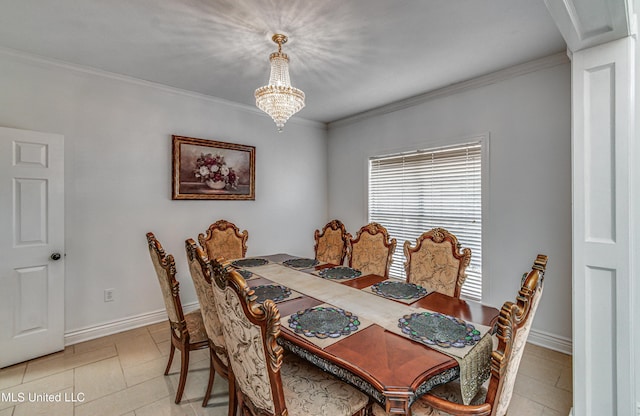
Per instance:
(371,251)
(436,262)
(187,330)
(267,382)
(331,243)
(224,239)
(200,270)
(513,326)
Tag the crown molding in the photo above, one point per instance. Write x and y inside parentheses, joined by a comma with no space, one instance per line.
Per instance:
(54,63)
(550,61)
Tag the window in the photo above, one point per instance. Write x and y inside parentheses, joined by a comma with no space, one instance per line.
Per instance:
(411,193)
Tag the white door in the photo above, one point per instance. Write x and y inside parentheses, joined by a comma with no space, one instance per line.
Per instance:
(31,239)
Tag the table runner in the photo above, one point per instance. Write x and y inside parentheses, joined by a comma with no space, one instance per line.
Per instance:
(255,276)
(474,368)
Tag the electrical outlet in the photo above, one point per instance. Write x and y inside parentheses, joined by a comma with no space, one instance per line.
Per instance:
(108,295)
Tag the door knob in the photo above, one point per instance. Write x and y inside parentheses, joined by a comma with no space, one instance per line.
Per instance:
(55,256)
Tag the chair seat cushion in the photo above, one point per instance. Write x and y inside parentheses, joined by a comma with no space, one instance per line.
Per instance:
(195,326)
(448,391)
(310,391)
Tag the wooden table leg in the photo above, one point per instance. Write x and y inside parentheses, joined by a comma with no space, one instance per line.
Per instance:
(397,401)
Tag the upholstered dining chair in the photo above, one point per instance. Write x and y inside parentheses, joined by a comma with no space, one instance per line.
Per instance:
(331,243)
(218,360)
(224,239)
(371,251)
(187,330)
(513,326)
(436,262)
(267,382)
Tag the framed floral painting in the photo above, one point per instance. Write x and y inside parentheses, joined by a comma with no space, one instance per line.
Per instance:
(207,169)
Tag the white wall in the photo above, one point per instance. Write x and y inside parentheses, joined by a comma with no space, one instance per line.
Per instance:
(529,201)
(118,177)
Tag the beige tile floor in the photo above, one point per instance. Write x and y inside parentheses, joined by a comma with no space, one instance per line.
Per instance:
(122,374)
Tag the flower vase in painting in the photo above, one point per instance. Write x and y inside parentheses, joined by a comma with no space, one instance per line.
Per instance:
(213,171)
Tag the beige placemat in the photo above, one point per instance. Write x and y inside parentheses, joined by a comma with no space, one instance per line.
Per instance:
(325,342)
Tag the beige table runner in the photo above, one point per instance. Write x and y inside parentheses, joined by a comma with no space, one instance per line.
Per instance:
(382,311)
(375,308)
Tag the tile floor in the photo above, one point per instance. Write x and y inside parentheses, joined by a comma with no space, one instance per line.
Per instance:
(122,374)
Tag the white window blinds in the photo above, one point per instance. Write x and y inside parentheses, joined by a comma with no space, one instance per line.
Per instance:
(414,192)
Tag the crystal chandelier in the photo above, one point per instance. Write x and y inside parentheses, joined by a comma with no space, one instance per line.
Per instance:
(279,99)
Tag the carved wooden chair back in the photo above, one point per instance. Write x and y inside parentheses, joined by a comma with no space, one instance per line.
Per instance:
(371,251)
(251,330)
(224,239)
(514,324)
(436,262)
(200,270)
(187,330)
(331,244)
(165,268)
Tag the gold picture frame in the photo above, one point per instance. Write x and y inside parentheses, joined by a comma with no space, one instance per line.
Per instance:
(209,169)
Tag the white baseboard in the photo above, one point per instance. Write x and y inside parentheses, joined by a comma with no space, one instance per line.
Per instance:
(551,341)
(120,325)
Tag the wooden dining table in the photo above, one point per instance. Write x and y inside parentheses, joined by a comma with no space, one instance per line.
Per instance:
(392,369)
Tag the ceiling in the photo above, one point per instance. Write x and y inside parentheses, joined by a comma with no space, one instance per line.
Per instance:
(348,56)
